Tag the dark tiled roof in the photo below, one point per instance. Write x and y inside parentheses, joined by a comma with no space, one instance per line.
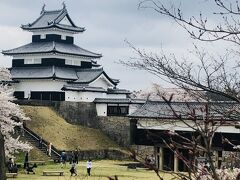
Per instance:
(48,47)
(43,73)
(119,100)
(82,87)
(112,100)
(89,75)
(118,91)
(77,76)
(51,19)
(158,109)
(95,64)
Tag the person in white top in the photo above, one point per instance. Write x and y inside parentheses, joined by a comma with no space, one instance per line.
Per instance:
(89,166)
(50,149)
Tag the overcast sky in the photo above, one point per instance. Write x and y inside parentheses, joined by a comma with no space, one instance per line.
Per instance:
(108,23)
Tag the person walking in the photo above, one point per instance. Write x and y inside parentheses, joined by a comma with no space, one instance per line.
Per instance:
(76,156)
(26,164)
(63,159)
(50,149)
(10,165)
(73,169)
(71,158)
(89,167)
(40,141)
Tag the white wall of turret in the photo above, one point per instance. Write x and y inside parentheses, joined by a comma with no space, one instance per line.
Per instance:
(102,81)
(52,31)
(87,96)
(83,96)
(38,85)
(121,96)
(60,56)
(101,109)
(56,85)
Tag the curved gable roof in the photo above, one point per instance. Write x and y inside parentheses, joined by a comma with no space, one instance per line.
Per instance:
(90,75)
(49,19)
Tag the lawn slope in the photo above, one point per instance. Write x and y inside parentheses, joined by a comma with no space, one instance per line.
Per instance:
(64,136)
(34,155)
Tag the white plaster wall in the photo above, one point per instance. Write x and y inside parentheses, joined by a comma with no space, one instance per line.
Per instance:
(39,32)
(65,21)
(61,56)
(83,96)
(71,95)
(88,96)
(55,85)
(38,85)
(101,81)
(120,96)
(101,109)
(175,125)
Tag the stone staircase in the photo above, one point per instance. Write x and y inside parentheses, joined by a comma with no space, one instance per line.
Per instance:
(33,138)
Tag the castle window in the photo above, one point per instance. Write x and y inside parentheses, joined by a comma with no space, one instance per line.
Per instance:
(73,62)
(37,61)
(63,37)
(117,110)
(33,61)
(43,36)
(19,94)
(68,62)
(77,63)
(28,61)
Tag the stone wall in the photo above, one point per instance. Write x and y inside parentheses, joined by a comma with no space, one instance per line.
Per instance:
(34,102)
(83,113)
(143,151)
(102,154)
(116,128)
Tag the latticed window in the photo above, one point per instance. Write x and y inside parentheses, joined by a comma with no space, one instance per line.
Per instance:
(117,110)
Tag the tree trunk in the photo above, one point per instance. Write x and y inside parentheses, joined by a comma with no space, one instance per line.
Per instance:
(2,158)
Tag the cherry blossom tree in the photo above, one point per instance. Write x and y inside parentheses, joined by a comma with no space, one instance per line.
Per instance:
(208,78)
(11,117)
(156,92)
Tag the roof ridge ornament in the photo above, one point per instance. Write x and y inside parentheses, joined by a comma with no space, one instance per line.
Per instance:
(43,9)
(64,5)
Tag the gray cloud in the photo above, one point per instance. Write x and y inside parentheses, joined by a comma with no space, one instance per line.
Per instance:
(108,24)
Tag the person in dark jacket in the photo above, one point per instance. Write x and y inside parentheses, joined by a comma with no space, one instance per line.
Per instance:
(10,165)
(63,158)
(73,169)
(26,164)
(40,142)
(76,156)
(71,157)
(15,168)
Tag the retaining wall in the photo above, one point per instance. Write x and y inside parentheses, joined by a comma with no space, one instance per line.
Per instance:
(85,114)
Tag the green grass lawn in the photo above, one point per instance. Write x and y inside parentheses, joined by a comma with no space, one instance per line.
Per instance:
(65,136)
(100,171)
